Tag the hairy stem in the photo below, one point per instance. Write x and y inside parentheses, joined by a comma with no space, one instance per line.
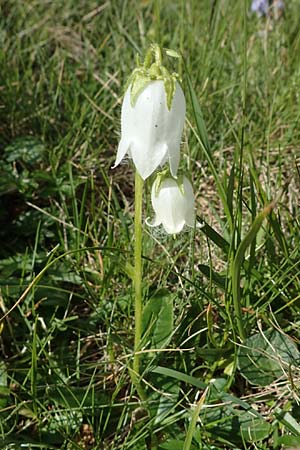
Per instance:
(138,270)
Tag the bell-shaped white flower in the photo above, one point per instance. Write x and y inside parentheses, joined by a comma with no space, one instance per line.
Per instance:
(173,203)
(150,131)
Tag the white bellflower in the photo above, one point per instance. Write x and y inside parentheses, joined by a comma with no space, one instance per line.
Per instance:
(173,204)
(152,117)
(150,133)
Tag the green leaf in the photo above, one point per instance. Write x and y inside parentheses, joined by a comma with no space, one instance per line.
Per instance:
(289,441)
(128,269)
(164,398)
(286,419)
(157,322)
(167,402)
(238,262)
(253,429)
(4,390)
(199,119)
(67,420)
(219,280)
(214,236)
(180,376)
(234,425)
(26,149)
(230,189)
(74,397)
(224,396)
(202,138)
(174,444)
(265,357)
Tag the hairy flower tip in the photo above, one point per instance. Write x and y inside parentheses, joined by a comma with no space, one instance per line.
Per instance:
(174,204)
(150,131)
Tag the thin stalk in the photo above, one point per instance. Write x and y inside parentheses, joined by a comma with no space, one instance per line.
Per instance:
(33,372)
(138,270)
(157,9)
(192,426)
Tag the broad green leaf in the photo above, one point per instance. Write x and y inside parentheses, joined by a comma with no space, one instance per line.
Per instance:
(274,222)
(253,429)
(234,425)
(286,419)
(224,396)
(265,357)
(158,320)
(289,441)
(3,374)
(27,412)
(164,397)
(74,397)
(211,354)
(26,149)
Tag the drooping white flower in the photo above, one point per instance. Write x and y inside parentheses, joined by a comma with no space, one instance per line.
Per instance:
(152,117)
(150,132)
(173,203)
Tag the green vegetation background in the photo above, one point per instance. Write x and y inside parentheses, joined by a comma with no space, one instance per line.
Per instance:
(66,222)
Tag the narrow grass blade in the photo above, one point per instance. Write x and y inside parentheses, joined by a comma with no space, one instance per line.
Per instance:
(199,118)
(273,219)
(33,371)
(179,376)
(202,138)
(216,278)
(238,262)
(193,422)
(214,236)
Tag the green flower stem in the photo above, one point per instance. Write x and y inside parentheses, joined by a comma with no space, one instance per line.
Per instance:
(138,270)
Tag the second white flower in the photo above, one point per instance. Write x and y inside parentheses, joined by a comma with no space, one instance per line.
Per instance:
(174,204)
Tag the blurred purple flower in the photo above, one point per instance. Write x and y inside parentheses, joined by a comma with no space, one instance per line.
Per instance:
(261,7)
(266,7)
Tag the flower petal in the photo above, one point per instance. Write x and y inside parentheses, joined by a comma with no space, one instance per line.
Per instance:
(147,162)
(174,158)
(154,222)
(174,228)
(123,148)
(190,203)
(173,204)
(169,206)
